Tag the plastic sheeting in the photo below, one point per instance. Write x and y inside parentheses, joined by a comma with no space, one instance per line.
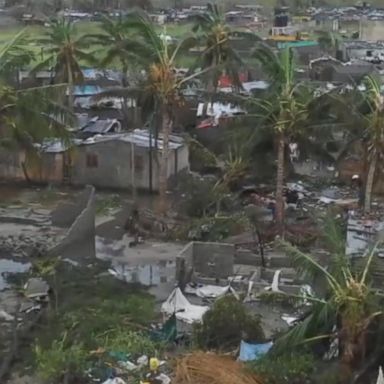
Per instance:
(250,352)
(185,311)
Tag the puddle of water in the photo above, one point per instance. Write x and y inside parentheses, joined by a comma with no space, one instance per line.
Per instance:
(10,266)
(146,274)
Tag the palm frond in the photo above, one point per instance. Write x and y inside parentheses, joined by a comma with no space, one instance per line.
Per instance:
(307,265)
(319,321)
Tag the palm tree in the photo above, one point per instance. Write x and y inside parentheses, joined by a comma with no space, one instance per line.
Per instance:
(162,89)
(345,309)
(285,109)
(218,53)
(116,44)
(373,134)
(65,50)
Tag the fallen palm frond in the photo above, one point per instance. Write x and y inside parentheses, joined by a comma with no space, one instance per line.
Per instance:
(209,368)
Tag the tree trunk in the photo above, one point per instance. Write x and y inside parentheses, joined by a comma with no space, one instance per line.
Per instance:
(280,184)
(125,109)
(369,184)
(163,171)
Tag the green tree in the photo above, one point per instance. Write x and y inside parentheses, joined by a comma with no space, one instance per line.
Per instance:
(163,86)
(373,134)
(346,306)
(285,110)
(28,115)
(216,35)
(65,51)
(117,44)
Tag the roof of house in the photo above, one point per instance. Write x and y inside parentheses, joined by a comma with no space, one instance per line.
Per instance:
(139,137)
(97,126)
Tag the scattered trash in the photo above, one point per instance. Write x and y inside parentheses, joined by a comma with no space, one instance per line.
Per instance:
(128,365)
(163,378)
(249,352)
(142,361)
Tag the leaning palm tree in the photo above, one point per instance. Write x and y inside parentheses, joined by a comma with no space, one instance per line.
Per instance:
(373,134)
(285,109)
(162,89)
(345,309)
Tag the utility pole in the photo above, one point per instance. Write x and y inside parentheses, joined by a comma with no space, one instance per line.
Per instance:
(133,180)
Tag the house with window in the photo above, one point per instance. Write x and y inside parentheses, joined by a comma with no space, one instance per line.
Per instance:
(116,160)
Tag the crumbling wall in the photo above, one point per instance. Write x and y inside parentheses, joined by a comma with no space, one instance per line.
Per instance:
(80,218)
(65,214)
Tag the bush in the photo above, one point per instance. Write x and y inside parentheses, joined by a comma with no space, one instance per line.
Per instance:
(290,368)
(200,196)
(226,324)
(129,343)
(60,360)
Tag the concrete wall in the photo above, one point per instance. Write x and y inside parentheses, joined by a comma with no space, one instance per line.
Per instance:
(81,232)
(214,260)
(46,169)
(373,30)
(65,214)
(113,168)
(10,165)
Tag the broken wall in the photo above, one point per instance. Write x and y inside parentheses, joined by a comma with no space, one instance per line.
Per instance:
(80,220)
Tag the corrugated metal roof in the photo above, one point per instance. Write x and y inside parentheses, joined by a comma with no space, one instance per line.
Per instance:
(138,137)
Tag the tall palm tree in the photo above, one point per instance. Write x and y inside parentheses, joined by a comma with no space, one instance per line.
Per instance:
(345,308)
(162,89)
(286,109)
(213,31)
(66,50)
(116,44)
(373,134)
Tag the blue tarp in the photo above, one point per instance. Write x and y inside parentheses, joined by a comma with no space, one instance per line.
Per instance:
(87,90)
(253,351)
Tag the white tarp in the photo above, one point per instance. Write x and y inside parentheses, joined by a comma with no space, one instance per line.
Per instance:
(185,311)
